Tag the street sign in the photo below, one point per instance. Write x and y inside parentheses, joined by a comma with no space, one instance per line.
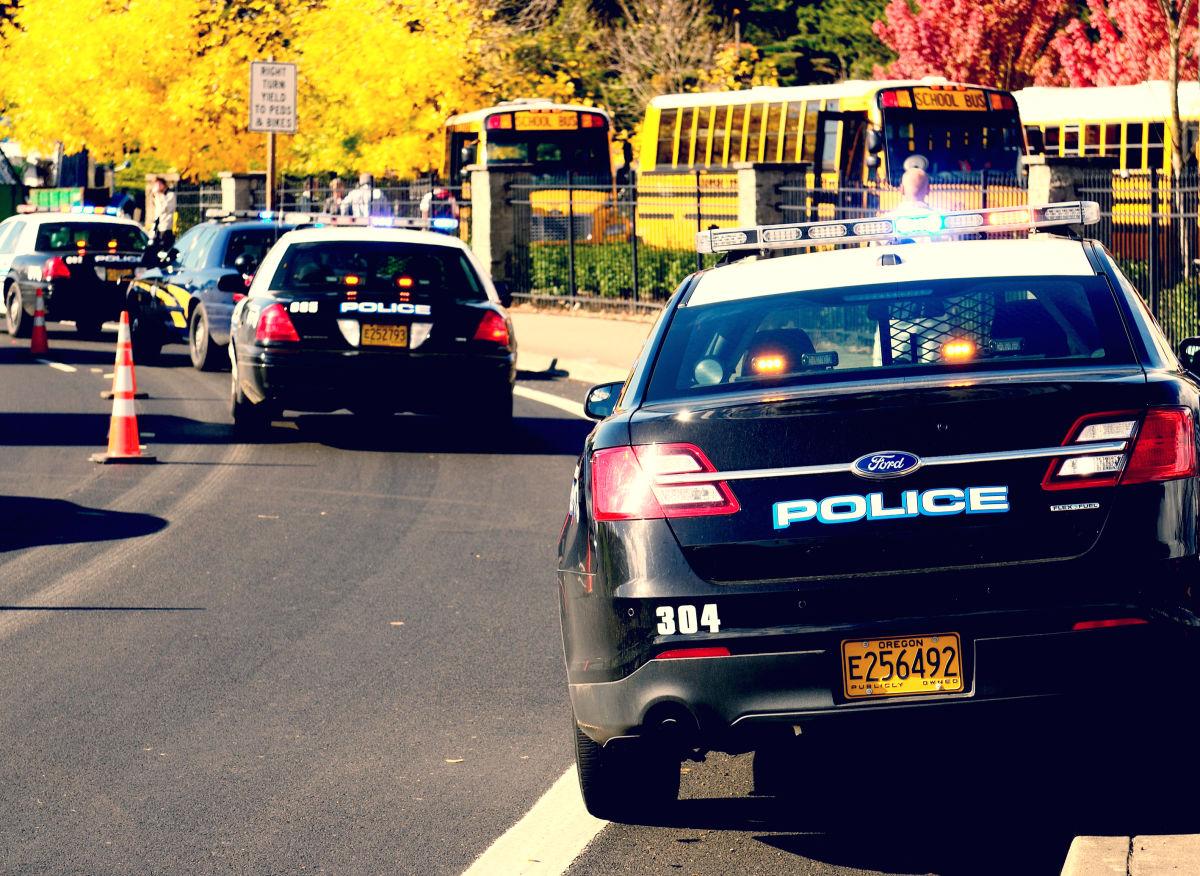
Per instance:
(272,97)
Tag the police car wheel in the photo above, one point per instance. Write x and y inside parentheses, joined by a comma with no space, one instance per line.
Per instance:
(249,420)
(146,348)
(206,355)
(89,328)
(633,783)
(14,313)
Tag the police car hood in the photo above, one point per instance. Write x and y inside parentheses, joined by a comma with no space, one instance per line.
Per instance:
(951,472)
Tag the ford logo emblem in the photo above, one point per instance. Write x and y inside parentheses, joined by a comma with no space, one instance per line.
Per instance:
(886,464)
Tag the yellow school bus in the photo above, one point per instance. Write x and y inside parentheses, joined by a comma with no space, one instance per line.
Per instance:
(1123,128)
(860,132)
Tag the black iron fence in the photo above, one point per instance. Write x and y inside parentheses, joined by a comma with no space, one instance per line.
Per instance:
(627,243)
(193,200)
(808,200)
(1148,221)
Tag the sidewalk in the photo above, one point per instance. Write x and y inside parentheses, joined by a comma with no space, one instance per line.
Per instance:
(592,349)
(1133,856)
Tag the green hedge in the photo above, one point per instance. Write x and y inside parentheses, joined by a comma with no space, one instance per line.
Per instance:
(605,270)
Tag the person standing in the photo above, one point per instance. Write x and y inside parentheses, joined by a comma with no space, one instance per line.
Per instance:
(162,231)
(337,194)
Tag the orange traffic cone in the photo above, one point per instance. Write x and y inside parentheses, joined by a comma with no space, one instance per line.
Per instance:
(123,443)
(39,343)
(124,360)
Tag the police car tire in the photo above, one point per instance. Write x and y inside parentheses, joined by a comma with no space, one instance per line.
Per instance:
(249,420)
(15,319)
(632,783)
(89,328)
(145,348)
(206,355)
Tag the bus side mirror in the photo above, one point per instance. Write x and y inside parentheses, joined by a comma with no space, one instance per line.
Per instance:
(1036,139)
(872,161)
(874,141)
(504,292)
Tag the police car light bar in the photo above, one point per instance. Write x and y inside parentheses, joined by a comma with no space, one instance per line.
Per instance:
(73,208)
(885,228)
(292,217)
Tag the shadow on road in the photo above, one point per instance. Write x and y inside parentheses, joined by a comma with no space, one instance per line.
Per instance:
(400,434)
(1002,798)
(26,521)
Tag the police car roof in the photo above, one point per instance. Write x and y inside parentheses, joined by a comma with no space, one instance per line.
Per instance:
(1041,255)
(371,232)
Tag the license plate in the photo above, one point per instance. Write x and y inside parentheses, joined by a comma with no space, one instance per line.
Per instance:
(902,666)
(936,99)
(385,336)
(115,275)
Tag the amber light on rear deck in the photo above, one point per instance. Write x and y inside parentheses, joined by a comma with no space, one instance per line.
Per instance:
(958,351)
(770,364)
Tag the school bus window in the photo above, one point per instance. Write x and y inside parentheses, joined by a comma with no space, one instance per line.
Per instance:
(666,138)
(829,146)
(1051,139)
(736,127)
(774,124)
(720,136)
(549,152)
(808,150)
(791,131)
(1091,140)
(1070,139)
(1154,144)
(754,132)
(1112,139)
(1135,154)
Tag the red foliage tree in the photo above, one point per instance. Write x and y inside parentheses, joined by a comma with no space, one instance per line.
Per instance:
(1123,42)
(1003,43)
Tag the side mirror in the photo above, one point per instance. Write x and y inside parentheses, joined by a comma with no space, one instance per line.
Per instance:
(872,161)
(602,400)
(1036,140)
(232,283)
(246,264)
(1189,354)
(504,291)
(168,257)
(874,140)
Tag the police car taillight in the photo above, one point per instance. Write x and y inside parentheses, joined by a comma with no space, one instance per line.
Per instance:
(492,328)
(635,483)
(1164,449)
(55,269)
(274,324)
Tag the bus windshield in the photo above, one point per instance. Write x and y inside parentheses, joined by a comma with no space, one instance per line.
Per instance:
(952,141)
(585,152)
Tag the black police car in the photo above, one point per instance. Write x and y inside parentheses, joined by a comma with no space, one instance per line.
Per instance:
(189,298)
(856,484)
(82,259)
(374,319)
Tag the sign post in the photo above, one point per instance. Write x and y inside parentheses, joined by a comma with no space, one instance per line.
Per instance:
(272,109)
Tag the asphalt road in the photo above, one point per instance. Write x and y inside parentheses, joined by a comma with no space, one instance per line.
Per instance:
(338,651)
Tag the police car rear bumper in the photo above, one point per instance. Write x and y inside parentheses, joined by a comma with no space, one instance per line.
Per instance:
(723,703)
(324,381)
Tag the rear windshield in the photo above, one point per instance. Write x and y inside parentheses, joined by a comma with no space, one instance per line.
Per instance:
(253,242)
(892,330)
(426,273)
(63,236)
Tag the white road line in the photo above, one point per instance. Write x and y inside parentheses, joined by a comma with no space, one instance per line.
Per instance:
(555,401)
(547,839)
(59,366)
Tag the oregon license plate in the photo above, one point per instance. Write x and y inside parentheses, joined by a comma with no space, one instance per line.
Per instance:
(937,99)
(902,666)
(385,336)
(117,275)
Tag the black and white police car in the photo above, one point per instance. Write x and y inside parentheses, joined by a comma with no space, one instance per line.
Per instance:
(859,483)
(82,259)
(360,314)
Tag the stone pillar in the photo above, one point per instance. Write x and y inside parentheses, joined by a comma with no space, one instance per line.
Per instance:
(494,222)
(242,191)
(1054,179)
(759,200)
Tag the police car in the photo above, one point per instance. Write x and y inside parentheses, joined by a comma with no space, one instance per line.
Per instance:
(854,484)
(189,297)
(352,313)
(82,259)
